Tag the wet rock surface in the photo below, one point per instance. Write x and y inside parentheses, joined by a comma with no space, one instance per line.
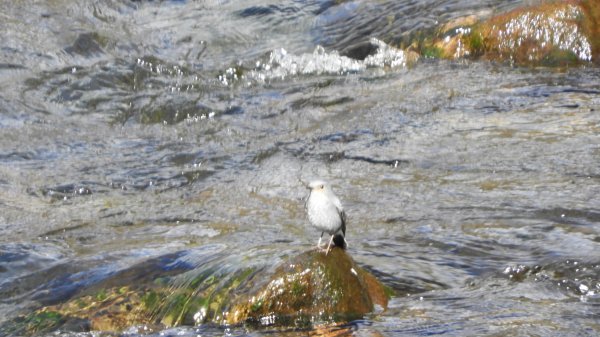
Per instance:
(313,288)
(308,290)
(554,34)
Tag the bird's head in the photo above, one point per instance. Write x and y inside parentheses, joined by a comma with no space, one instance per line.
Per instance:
(317,185)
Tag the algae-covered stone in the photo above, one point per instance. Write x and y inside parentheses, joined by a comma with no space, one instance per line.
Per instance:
(39,321)
(312,288)
(309,288)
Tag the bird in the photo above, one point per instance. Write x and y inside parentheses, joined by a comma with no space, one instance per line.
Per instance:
(325,212)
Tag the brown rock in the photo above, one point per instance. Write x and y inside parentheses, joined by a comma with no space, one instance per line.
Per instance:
(312,288)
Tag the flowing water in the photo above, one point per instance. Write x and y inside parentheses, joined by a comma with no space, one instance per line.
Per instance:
(182,131)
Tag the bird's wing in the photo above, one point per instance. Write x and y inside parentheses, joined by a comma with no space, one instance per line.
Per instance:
(338,205)
(343,217)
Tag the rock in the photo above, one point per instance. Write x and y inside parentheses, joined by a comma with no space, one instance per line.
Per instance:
(536,34)
(548,34)
(591,25)
(312,288)
(307,290)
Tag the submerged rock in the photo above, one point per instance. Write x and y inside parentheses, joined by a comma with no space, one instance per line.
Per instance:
(308,290)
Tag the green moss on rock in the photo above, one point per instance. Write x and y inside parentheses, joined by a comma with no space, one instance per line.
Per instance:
(312,287)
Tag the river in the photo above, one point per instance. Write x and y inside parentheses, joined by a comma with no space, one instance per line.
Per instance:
(134,130)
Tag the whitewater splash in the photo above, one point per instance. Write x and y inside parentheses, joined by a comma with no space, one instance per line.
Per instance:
(281,64)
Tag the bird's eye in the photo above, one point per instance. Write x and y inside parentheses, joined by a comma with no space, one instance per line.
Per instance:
(322,186)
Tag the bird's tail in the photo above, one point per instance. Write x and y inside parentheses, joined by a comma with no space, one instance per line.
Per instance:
(340,238)
(339,241)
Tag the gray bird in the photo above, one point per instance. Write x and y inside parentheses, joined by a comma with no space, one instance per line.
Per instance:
(326,214)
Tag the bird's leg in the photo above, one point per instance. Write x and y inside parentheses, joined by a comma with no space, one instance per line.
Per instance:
(319,244)
(329,245)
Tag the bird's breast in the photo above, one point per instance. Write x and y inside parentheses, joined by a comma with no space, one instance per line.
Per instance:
(323,214)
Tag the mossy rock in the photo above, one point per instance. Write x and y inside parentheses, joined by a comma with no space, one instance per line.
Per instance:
(312,288)
(307,289)
(548,34)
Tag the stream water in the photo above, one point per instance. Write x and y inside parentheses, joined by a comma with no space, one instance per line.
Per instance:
(132,131)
